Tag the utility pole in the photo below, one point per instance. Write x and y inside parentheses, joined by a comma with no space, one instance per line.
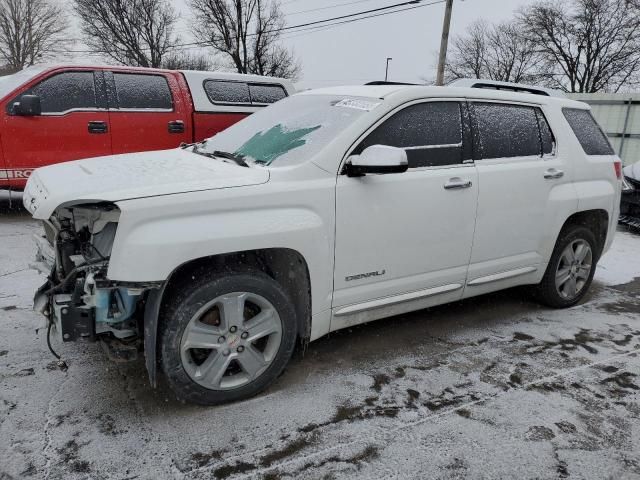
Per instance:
(386,71)
(444,43)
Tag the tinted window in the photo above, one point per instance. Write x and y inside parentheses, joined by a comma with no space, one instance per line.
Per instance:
(66,91)
(142,91)
(227,92)
(588,133)
(507,130)
(546,135)
(266,93)
(433,124)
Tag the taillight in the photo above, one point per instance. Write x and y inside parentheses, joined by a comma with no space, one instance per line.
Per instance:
(617,166)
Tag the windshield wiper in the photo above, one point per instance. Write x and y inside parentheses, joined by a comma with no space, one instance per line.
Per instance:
(238,159)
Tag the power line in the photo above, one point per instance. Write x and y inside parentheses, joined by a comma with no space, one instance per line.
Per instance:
(287,14)
(337,24)
(300,27)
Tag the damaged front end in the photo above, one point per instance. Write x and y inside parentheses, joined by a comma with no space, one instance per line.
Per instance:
(78,299)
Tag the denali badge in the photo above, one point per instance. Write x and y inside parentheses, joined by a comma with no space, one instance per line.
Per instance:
(360,276)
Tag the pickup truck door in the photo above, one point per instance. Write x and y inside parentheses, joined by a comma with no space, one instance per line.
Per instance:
(74,124)
(147,111)
(403,240)
(525,195)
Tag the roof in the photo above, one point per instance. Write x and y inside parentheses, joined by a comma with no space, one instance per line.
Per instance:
(194,73)
(410,92)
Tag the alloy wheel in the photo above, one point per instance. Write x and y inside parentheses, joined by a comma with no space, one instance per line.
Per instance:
(574,269)
(231,341)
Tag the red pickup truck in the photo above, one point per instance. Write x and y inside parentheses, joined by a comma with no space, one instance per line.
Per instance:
(55,114)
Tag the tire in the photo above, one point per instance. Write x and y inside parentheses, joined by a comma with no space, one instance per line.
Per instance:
(198,340)
(552,291)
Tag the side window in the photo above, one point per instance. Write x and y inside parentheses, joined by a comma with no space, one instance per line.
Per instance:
(506,130)
(431,134)
(588,132)
(546,135)
(227,92)
(66,91)
(142,92)
(262,93)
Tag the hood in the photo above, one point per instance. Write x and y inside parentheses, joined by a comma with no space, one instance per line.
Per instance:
(632,171)
(134,175)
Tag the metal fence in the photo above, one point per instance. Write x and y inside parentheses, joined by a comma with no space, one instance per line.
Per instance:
(619,116)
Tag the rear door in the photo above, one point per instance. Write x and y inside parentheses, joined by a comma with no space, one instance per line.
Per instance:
(521,177)
(147,112)
(73,124)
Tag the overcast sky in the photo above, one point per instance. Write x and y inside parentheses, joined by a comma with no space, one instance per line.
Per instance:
(356,52)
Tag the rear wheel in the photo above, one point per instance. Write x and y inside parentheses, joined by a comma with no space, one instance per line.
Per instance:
(227,337)
(571,268)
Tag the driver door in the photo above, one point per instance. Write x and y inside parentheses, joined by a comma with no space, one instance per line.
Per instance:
(403,241)
(73,123)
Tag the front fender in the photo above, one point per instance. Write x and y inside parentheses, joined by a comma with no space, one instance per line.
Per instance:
(154,239)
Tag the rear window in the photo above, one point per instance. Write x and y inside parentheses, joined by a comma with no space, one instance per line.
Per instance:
(229,92)
(588,132)
(507,130)
(266,93)
(142,92)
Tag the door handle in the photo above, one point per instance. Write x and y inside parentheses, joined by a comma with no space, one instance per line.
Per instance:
(97,126)
(457,183)
(176,126)
(553,173)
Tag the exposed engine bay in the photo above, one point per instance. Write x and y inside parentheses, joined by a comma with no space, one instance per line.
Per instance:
(78,299)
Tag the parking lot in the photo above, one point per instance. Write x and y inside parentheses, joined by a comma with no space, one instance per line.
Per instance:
(493,387)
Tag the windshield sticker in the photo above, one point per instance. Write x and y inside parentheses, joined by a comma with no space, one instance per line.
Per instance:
(357,104)
(265,147)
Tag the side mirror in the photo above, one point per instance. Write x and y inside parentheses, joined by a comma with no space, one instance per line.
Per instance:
(28,106)
(377,159)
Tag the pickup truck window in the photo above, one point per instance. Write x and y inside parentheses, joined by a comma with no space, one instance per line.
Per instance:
(66,91)
(264,94)
(587,131)
(291,131)
(227,92)
(431,134)
(507,130)
(143,92)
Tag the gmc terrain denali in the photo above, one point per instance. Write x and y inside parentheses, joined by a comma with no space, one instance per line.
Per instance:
(327,209)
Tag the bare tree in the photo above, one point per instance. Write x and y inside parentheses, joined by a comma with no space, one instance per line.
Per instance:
(188,61)
(131,32)
(586,45)
(247,33)
(30,32)
(496,52)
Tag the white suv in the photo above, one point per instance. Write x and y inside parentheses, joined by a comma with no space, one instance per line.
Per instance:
(328,209)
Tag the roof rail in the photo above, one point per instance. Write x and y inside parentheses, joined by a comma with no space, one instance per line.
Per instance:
(384,82)
(507,86)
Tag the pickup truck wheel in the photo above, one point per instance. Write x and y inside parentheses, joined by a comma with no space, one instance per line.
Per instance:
(570,270)
(227,337)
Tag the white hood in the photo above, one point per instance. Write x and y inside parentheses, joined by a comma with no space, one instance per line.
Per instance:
(136,175)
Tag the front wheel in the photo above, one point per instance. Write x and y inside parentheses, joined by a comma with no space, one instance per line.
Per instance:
(570,270)
(227,336)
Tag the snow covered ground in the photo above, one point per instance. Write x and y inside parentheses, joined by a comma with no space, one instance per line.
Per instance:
(494,387)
